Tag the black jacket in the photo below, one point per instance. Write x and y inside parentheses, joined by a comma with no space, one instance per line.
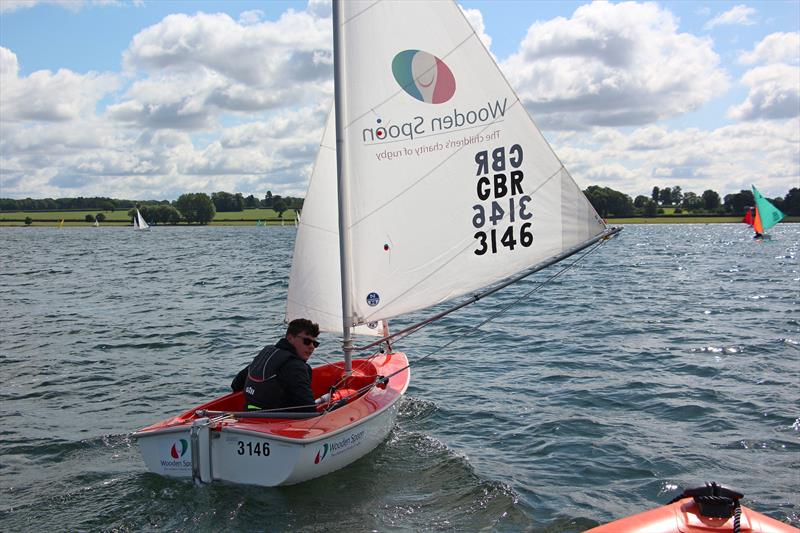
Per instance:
(277,378)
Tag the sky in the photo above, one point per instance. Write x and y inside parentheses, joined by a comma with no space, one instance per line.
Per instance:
(147,99)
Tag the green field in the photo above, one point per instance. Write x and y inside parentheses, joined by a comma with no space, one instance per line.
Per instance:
(688,219)
(120,217)
(249,217)
(255,214)
(674,220)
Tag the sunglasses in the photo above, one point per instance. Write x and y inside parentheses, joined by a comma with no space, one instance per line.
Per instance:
(308,342)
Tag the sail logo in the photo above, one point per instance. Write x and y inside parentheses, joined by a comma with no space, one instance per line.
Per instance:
(424,76)
(321,454)
(179,448)
(373,299)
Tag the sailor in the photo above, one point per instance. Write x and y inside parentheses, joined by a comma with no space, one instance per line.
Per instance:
(279,377)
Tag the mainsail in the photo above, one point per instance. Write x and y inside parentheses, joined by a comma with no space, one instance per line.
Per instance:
(452,185)
(139,222)
(767,215)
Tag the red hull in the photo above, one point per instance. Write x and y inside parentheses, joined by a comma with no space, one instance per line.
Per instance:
(323,377)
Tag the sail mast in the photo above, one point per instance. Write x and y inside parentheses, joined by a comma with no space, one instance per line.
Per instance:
(342,187)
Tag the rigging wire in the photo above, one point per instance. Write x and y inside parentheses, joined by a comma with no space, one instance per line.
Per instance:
(499,312)
(472,329)
(514,279)
(476,328)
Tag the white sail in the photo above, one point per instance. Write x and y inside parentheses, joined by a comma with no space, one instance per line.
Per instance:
(139,222)
(453,187)
(315,280)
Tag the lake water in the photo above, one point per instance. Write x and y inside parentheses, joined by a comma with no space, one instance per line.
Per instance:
(666,358)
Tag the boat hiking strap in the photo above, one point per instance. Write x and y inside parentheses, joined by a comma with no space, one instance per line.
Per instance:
(598,239)
(264,413)
(473,329)
(285,412)
(716,501)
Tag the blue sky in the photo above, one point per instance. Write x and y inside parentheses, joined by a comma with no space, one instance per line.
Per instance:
(89,93)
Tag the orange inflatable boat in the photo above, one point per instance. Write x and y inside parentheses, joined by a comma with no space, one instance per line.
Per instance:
(708,509)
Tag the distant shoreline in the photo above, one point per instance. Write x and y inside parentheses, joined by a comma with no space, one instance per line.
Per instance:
(291,223)
(120,224)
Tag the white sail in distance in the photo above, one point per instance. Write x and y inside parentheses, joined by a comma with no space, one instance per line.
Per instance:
(139,222)
(453,187)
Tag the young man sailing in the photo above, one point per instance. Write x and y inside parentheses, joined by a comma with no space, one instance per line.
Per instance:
(279,377)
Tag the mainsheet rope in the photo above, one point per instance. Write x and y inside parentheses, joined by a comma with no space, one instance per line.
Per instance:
(477,327)
(471,330)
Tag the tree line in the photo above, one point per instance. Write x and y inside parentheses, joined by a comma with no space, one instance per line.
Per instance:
(201,208)
(226,202)
(193,208)
(610,203)
(80,203)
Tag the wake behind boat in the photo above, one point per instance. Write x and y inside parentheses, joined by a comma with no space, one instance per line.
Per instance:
(423,119)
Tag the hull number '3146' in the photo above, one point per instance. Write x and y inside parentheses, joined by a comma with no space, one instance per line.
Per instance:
(260,449)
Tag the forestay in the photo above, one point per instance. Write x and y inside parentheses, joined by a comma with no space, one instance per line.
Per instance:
(453,187)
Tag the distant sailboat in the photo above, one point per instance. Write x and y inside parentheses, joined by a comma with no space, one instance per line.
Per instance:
(96,224)
(763,216)
(61,224)
(139,222)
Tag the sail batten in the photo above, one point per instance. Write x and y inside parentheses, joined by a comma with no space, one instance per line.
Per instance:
(452,186)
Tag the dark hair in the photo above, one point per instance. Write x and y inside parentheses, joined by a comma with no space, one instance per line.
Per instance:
(302,325)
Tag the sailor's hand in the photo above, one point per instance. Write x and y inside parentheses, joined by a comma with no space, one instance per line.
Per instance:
(325,398)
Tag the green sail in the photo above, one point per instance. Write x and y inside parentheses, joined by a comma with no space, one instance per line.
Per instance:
(770,215)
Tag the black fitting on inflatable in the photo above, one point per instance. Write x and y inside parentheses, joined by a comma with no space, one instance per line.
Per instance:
(713,500)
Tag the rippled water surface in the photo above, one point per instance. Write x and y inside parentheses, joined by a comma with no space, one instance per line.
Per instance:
(666,358)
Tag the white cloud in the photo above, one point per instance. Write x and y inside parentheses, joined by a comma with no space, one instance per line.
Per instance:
(294,48)
(320,8)
(251,17)
(775,48)
(475,18)
(774,94)
(613,65)
(187,73)
(726,159)
(774,87)
(737,15)
(201,111)
(199,67)
(48,96)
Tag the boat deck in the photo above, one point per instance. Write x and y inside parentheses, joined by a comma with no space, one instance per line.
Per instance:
(369,403)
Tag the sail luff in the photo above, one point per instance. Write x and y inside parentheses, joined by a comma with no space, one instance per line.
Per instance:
(342,185)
